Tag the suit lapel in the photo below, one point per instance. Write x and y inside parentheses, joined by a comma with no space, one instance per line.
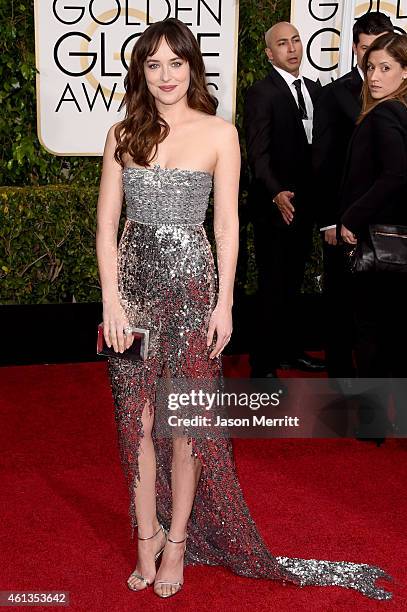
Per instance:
(312,87)
(282,86)
(354,84)
(356,131)
(280,83)
(349,95)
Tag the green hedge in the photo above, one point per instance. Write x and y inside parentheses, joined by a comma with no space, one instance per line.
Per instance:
(47,212)
(47,249)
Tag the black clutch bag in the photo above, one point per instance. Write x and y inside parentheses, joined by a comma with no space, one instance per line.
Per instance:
(383,250)
(136,352)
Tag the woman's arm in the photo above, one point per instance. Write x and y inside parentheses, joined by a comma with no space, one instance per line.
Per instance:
(226,228)
(108,217)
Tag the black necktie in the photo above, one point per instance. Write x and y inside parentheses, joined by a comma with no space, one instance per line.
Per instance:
(301,101)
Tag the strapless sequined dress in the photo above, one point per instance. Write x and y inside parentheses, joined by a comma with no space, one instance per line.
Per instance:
(167,283)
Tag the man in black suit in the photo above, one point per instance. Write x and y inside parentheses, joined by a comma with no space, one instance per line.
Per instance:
(335,113)
(278,122)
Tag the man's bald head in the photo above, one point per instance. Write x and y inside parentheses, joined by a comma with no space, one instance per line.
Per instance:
(284,47)
(278,28)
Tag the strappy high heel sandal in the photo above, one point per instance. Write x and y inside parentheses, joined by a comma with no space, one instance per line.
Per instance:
(177,584)
(139,576)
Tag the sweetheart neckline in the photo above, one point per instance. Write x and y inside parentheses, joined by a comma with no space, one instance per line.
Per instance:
(158,167)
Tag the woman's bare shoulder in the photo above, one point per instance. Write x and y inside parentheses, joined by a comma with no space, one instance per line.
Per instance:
(111,133)
(219,123)
(219,128)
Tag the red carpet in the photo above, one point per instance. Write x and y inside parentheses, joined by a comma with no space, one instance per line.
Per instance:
(65,524)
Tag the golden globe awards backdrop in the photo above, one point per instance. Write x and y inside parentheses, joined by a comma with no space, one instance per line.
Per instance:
(320,23)
(82,52)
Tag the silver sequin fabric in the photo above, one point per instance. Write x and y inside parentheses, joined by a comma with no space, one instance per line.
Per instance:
(180,196)
(167,283)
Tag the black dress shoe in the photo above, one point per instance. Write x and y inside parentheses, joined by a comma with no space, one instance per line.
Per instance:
(271,374)
(303,362)
(377,441)
(364,432)
(262,373)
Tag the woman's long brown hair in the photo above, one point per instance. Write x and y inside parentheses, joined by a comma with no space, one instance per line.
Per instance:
(142,129)
(396,47)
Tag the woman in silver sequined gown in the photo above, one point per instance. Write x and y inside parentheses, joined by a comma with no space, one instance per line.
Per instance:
(162,277)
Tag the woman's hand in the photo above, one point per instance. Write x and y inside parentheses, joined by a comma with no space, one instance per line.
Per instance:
(221,323)
(115,322)
(348,236)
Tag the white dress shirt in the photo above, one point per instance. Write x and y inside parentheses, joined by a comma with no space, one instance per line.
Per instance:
(309,107)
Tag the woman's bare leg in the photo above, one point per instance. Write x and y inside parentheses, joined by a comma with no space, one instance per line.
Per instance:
(145,503)
(186,470)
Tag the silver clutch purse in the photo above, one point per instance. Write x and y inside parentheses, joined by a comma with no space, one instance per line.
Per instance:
(138,351)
